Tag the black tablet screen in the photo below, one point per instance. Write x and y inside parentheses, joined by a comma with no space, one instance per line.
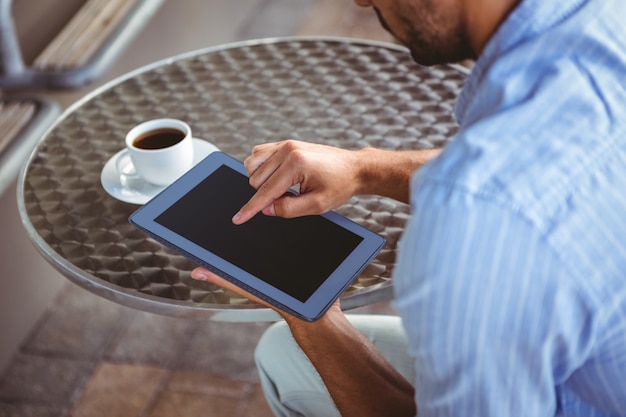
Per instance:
(293,255)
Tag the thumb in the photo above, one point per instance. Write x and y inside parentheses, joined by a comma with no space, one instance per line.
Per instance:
(290,206)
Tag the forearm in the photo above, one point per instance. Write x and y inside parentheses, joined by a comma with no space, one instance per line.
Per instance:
(359,379)
(388,173)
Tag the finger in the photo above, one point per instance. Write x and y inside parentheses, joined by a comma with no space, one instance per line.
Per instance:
(272,189)
(263,171)
(258,203)
(282,156)
(202,274)
(260,154)
(264,146)
(290,205)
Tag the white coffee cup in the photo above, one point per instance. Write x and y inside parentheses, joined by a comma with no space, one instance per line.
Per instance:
(161,151)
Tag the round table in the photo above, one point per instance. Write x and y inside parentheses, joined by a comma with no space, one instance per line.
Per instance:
(346,93)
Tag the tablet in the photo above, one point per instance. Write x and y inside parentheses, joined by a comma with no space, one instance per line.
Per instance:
(299,265)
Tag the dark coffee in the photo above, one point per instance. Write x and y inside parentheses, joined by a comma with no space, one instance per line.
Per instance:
(159,138)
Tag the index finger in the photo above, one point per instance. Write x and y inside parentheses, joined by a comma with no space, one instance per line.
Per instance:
(271,190)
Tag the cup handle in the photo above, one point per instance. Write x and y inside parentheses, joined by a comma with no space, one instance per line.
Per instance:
(124,165)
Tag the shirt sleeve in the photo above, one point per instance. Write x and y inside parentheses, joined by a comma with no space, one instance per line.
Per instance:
(494,323)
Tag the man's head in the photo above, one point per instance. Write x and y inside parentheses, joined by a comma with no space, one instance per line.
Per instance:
(440,31)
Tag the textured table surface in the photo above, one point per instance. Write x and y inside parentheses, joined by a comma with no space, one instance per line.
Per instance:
(345,93)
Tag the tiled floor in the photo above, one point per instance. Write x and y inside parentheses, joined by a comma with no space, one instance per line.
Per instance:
(88,357)
(91,357)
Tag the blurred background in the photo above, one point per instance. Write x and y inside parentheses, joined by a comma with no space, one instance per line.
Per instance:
(66,352)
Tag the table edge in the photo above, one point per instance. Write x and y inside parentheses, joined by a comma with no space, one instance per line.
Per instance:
(152,303)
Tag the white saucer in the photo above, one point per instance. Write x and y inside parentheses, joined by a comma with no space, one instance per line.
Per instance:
(136,190)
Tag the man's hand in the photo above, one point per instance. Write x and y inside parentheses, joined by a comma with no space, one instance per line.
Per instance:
(202,274)
(327,178)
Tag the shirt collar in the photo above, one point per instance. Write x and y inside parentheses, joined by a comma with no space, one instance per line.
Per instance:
(529,19)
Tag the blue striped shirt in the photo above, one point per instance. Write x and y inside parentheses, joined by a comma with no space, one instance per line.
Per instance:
(511,281)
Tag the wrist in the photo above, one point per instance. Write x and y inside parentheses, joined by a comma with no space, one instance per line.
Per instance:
(334,318)
(388,173)
(369,170)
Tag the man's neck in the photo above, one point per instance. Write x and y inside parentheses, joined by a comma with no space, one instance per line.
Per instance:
(483,18)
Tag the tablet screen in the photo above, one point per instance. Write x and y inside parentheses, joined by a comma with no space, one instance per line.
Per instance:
(294,255)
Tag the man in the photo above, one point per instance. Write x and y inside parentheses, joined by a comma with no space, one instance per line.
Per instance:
(511,282)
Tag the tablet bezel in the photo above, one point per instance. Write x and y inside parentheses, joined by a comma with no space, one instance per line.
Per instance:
(310,310)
